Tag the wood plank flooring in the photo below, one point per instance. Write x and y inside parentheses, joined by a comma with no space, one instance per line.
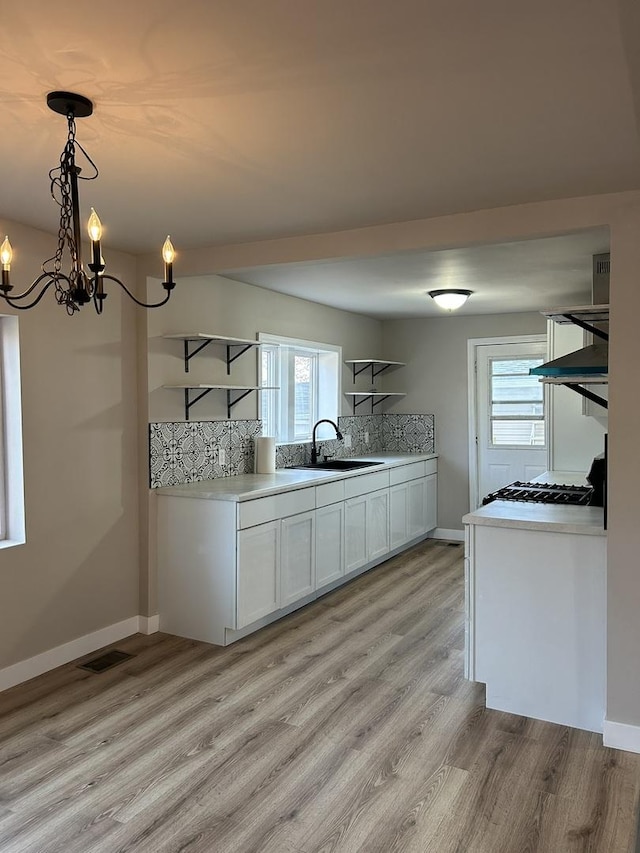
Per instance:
(347,726)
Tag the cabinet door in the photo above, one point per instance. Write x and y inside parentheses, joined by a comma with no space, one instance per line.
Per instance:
(398,515)
(329,544)
(258,572)
(355,521)
(416,521)
(377,523)
(297,555)
(431,501)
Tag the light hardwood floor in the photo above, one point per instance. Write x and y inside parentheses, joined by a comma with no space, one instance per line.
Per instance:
(347,726)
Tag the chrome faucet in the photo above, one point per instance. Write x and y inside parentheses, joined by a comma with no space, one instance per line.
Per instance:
(314,449)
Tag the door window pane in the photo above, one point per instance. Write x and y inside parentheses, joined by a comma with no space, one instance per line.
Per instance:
(516,404)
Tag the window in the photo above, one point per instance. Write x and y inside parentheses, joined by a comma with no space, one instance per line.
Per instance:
(12,529)
(307,375)
(517,403)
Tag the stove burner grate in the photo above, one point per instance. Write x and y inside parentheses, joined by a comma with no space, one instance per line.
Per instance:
(547,493)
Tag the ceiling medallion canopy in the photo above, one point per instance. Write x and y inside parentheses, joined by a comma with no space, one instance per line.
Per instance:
(77,287)
(451,298)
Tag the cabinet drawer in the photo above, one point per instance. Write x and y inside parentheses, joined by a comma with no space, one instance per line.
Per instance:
(364,483)
(262,510)
(330,493)
(431,466)
(407,472)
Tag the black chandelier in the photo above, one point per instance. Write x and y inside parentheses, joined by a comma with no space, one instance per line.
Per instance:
(75,288)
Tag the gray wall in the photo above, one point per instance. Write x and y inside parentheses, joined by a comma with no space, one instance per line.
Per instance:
(78,571)
(435,377)
(220,306)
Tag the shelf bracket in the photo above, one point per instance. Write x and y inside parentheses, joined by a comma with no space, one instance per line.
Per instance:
(378,401)
(232,358)
(189,355)
(232,402)
(585,392)
(588,327)
(189,402)
(357,403)
(358,370)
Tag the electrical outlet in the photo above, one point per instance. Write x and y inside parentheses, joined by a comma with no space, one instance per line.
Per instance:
(366,437)
(222,456)
(347,440)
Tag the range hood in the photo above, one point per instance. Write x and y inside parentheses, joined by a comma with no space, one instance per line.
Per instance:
(589,365)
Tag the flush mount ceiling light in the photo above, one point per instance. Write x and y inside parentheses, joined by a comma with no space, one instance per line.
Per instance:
(77,287)
(450,299)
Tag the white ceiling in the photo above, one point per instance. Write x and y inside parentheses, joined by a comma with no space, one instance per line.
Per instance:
(233,120)
(225,121)
(521,276)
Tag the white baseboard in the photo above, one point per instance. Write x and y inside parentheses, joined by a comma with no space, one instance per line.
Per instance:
(447,533)
(148,624)
(621,736)
(26,669)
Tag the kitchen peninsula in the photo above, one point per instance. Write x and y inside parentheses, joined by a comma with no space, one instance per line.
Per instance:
(236,553)
(535,579)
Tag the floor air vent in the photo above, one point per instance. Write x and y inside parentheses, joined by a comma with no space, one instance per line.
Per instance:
(105,661)
(454,544)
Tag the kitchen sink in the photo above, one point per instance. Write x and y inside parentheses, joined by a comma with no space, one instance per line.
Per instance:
(337,465)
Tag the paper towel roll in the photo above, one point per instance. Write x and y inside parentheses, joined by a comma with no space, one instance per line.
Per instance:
(265,450)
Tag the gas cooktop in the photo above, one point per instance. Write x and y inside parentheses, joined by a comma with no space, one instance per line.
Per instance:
(546,493)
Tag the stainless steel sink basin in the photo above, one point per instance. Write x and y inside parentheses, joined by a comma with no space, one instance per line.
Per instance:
(337,465)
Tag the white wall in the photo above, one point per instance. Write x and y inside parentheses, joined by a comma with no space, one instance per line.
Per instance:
(576,437)
(78,571)
(221,306)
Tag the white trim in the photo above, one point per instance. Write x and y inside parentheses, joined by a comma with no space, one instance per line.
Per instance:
(472,407)
(148,624)
(30,668)
(11,468)
(447,533)
(621,736)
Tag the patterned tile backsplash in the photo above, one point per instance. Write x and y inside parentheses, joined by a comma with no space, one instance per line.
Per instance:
(187,452)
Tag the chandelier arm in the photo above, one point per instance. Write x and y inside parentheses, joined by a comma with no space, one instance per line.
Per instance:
(137,301)
(32,287)
(9,299)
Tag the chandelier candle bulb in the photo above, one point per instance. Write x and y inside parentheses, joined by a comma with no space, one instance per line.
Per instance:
(168,255)
(94,227)
(6,254)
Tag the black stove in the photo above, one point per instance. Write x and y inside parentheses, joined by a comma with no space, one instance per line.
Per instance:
(545,493)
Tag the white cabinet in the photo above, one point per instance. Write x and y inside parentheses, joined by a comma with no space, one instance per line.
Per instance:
(413,504)
(329,544)
(258,572)
(225,568)
(416,523)
(377,524)
(297,557)
(355,520)
(431,502)
(398,512)
(536,622)
(367,528)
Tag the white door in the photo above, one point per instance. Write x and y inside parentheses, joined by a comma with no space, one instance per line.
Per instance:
(416,517)
(510,415)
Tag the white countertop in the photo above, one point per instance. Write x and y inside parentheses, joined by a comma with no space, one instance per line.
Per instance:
(587,520)
(242,487)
